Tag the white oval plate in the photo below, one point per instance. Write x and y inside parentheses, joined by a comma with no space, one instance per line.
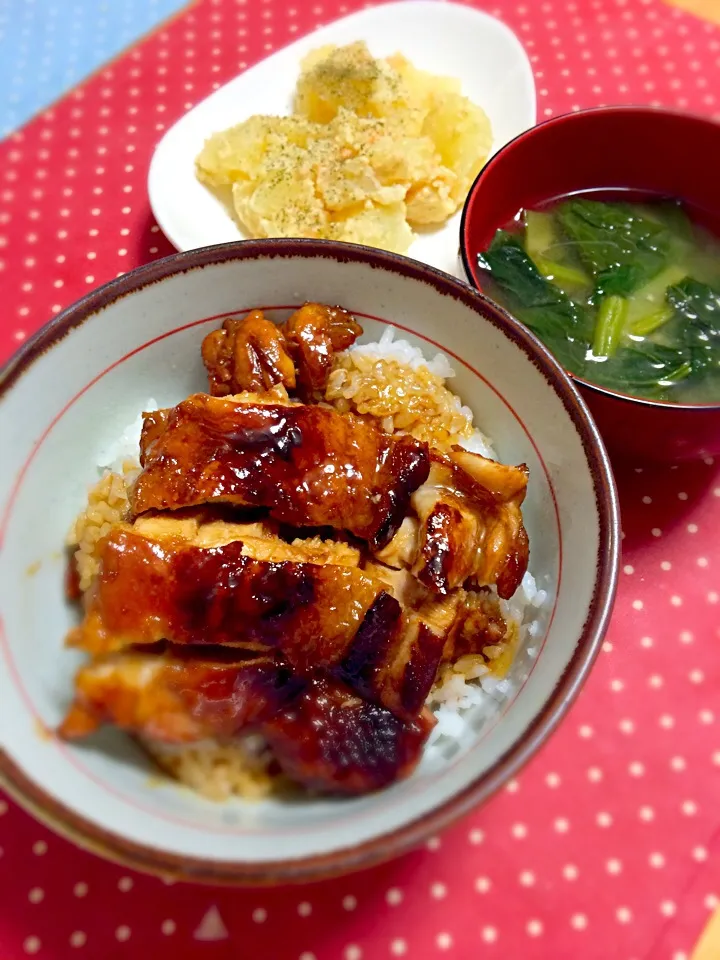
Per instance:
(443,38)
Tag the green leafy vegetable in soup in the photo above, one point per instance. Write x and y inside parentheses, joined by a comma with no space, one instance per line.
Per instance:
(699,307)
(561,324)
(617,245)
(626,295)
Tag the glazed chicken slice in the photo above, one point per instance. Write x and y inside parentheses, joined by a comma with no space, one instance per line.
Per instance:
(322,734)
(331,740)
(478,628)
(259,539)
(507,484)
(469,620)
(177,699)
(471,526)
(394,658)
(247,355)
(318,615)
(315,334)
(308,465)
(153,588)
(254,354)
(397,665)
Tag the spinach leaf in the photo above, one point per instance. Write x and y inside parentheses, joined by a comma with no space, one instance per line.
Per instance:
(620,247)
(644,368)
(563,326)
(649,368)
(697,306)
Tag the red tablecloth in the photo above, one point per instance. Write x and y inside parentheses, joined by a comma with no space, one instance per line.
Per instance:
(608,845)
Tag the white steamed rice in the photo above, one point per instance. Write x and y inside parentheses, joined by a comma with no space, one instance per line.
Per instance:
(403,352)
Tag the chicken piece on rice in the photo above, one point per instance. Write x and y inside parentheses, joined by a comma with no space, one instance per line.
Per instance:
(316,333)
(322,734)
(468,528)
(254,354)
(308,465)
(247,355)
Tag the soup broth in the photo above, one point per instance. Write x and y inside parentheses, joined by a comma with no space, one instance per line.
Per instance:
(625,292)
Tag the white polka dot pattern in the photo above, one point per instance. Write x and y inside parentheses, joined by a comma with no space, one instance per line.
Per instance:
(607,844)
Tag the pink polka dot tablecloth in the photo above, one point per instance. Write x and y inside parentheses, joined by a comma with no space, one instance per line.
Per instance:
(608,844)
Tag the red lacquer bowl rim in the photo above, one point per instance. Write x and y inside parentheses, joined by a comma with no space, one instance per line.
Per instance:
(145,858)
(501,156)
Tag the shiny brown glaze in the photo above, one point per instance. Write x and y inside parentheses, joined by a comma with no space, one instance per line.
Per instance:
(446,547)
(247,354)
(323,735)
(319,616)
(394,658)
(471,526)
(177,700)
(167,589)
(309,465)
(331,740)
(254,354)
(315,333)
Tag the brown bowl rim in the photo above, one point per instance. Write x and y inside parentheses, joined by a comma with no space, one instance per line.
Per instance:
(497,159)
(148,859)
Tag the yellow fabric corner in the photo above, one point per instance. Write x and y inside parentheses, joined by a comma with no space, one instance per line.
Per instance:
(705,9)
(708,946)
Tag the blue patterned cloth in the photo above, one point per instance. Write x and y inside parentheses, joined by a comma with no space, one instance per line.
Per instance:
(48,46)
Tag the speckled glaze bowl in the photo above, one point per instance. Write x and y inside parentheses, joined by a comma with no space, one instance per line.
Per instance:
(74,387)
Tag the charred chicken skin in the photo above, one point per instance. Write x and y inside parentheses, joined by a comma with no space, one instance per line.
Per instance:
(323,735)
(332,740)
(178,699)
(153,589)
(308,465)
(319,616)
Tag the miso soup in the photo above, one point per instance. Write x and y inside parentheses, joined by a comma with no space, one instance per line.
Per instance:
(625,294)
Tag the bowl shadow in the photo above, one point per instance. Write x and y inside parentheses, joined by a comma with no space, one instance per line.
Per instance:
(659,496)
